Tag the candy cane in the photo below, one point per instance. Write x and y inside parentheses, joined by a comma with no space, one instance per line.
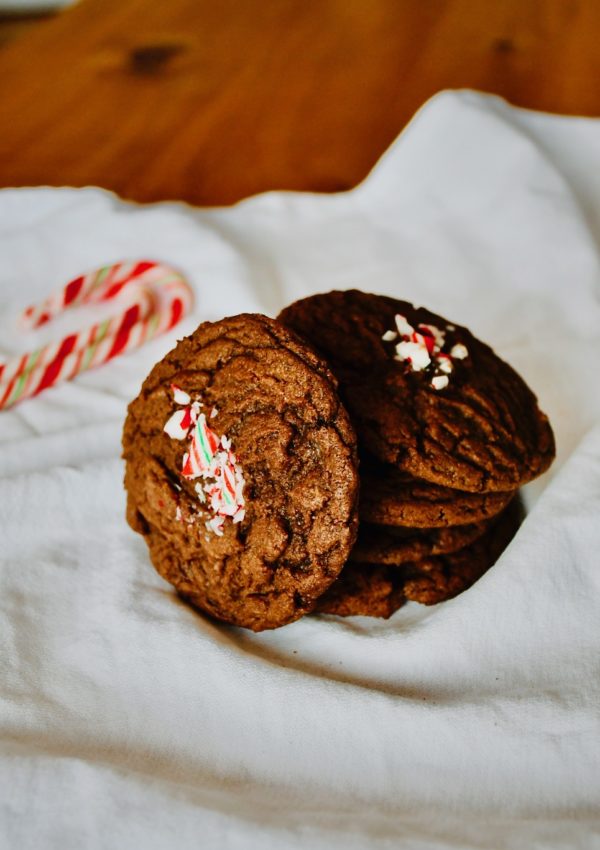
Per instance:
(153,299)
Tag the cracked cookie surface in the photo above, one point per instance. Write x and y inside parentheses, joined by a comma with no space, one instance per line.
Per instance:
(446,409)
(270,404)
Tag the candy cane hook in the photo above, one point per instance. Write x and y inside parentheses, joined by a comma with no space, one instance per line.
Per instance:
(153,297)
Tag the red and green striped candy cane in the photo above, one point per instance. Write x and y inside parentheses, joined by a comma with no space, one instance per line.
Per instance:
(154,297)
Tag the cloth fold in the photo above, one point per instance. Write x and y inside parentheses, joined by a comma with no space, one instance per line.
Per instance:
(128,719)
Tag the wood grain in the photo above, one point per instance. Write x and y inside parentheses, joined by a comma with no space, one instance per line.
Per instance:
(211,102)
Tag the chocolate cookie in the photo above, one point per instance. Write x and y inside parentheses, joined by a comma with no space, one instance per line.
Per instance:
(364,590)
(433,580)
(241,472)
(426,395)
(389,497)
(374,590)
(380,544)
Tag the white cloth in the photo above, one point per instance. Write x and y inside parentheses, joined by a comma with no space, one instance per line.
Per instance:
(130,721)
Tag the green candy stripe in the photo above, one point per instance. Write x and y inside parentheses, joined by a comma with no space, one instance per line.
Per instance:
(203,439)
(18,387)
(152,325)
(102,328)
(101,275)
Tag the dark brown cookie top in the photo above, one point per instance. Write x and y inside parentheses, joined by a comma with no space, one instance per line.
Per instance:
(426,395)
(389,497)
(381,544)
(375,590)
(248,499)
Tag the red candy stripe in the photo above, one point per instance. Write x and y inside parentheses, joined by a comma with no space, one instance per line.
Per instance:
(156,298)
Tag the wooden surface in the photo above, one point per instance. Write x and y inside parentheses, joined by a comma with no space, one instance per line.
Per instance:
(213,101)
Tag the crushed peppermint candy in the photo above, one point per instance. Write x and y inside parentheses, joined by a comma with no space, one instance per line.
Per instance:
(179,396)
(459,351)
(209,458)
(439,382)
(421,348)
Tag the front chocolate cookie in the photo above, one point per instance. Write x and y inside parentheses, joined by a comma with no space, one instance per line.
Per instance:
(425,395)
(241,472)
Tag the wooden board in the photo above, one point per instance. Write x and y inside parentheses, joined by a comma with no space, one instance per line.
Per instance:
(210,102)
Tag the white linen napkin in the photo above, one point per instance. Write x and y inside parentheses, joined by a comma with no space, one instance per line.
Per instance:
(127,719)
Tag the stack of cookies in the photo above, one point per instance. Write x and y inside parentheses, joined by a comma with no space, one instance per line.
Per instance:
(447,433)
(356,453)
